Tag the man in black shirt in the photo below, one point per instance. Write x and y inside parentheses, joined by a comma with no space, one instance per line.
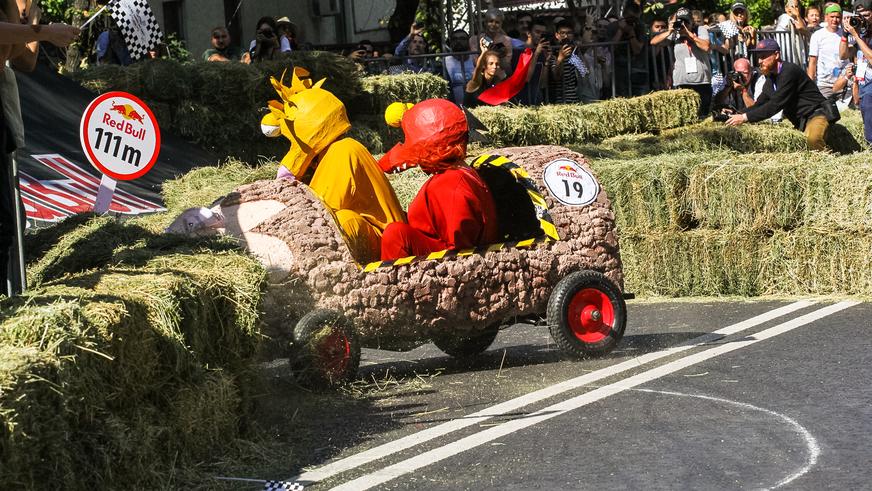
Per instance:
(788,88)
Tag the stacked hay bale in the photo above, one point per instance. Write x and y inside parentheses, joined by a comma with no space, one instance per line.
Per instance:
(219,105)
(713,210)
(127,359)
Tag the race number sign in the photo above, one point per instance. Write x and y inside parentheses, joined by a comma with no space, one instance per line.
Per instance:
(569,183)
(120,136)
(121,139)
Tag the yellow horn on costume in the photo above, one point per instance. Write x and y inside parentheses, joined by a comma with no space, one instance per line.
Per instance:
(395,111)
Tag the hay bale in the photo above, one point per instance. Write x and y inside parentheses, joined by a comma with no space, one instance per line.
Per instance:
(588,123)
(382,90)
(104,373)
(692,263)
(342,74)
(648,193)
(166,80)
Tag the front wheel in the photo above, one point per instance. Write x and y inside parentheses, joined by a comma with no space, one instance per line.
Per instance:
(328,351)
(586,314)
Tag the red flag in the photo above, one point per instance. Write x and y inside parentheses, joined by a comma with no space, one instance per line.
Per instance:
(509,87)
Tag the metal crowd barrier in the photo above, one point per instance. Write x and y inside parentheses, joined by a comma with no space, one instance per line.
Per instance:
(436,63)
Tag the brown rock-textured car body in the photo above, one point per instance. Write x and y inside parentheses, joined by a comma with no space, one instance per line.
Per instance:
(408,304)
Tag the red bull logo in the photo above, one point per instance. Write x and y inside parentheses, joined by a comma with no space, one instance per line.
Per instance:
(567,168)
(127,112)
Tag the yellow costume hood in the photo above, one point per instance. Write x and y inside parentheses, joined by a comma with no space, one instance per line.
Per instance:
(307,115)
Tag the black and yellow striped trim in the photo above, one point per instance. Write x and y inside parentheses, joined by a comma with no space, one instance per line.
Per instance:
(538,202)
(519,244)
(523,178)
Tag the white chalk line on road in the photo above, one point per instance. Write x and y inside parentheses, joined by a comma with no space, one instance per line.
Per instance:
(513,405)
(814,450)
(441,453)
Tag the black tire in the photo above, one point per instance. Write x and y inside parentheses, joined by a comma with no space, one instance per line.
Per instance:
(467,345)
(586,314)
(327,348)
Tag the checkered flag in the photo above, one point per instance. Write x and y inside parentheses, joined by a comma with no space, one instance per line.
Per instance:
(282,486)
(138,25)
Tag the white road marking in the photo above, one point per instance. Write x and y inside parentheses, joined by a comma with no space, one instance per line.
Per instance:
(814,450)
(427,458)
(512,405)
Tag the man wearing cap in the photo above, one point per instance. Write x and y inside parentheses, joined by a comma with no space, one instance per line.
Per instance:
(823,50)
(790,89)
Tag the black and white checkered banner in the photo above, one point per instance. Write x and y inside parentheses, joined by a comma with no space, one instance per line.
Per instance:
(138,25)
(282,486)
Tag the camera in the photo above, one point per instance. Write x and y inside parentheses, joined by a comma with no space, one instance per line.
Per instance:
(737,77)
(678,24)
(857,22)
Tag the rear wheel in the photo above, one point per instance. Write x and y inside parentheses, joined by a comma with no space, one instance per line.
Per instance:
(586,314)
(328,351)
(468,344)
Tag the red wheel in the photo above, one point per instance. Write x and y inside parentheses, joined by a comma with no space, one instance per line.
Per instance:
(591,315)
(328,352)
(586,314)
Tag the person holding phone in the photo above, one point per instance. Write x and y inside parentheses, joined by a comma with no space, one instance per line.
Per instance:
(266,45)
(690,46)
(565,73)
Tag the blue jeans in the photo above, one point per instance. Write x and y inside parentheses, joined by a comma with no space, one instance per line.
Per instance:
(866,111)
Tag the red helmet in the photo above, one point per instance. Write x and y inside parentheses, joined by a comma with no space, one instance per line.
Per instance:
(435,138)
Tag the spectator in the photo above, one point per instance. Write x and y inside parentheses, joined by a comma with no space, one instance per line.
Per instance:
(737,43)
(660,76)
(368,59)
(459,67)
(266,44)
(823,50)
(716,18)
(22,32)
(111,48)
(567,69)
(787,88)
(595,58)
(738,95)
(631,31)
(792,21)
(523,26)
(602,36)
(287,31)
(812,19)
(691,46)
(488,73)
(222,48)
(863,81)
(531,94)
(413,44)
(501,43)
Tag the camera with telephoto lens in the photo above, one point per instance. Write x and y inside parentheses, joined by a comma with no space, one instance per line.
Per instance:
(857,22)
(737,78)
(677,24)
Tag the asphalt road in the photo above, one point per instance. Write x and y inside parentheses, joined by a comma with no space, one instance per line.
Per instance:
(722,395)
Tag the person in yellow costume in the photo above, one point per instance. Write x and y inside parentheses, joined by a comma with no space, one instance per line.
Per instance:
(346,177)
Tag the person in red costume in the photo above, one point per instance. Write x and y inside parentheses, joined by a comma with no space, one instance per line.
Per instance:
(454,208)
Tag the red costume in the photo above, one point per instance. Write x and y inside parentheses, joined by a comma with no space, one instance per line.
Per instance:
(454,209)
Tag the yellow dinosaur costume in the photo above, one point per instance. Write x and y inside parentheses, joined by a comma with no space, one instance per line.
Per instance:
(346,178)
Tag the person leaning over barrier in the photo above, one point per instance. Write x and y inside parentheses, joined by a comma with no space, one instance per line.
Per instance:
(790,89)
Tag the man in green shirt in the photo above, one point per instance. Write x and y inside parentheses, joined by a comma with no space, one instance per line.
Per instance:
(221,49)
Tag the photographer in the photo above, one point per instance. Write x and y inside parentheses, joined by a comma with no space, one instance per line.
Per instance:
(266,44)
(413,45)
(692,69)
(862,76)
(789,89)
(739,93)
